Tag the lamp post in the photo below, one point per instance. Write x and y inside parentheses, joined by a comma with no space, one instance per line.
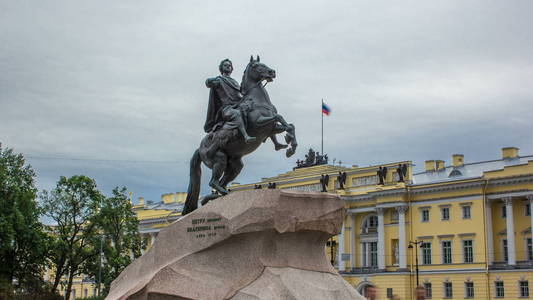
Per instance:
(416,243)
(332,255)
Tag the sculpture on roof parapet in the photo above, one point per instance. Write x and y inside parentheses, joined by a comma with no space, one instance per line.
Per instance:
(341,178)
(402,172)
(312,158)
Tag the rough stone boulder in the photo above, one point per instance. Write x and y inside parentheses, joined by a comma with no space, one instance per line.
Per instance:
(258,244)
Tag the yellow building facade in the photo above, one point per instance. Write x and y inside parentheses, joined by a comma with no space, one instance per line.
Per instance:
(467,224)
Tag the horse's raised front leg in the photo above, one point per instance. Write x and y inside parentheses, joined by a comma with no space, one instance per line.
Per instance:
(290,138)
(280,119)
(277,145)
(264,120)
(278,129)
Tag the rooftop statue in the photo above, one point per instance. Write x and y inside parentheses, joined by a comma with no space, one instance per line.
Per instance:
(239,119)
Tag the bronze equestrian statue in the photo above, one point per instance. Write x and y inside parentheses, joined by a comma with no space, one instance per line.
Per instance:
(239,119)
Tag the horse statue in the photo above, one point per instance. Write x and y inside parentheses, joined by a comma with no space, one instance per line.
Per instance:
(262,121)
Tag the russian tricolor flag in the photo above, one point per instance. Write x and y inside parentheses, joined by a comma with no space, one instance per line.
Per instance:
(325,109)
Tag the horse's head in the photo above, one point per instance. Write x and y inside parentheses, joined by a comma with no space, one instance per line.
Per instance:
(256,72)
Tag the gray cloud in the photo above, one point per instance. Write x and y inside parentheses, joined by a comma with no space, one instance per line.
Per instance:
(124,81)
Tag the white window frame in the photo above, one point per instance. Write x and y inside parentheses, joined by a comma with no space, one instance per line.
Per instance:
(496,289)
(505,250)
(429,294)
(422,253)
(463,209)
(464,252)
(445,216)
(422,211)
(444,290)
(467,288)
(443,260)
(365,225)
(520,291)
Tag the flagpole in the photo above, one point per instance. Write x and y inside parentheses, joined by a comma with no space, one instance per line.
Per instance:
(322,131)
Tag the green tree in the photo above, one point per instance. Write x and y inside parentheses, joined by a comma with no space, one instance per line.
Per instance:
(23,243)
(121,238)
(74,207)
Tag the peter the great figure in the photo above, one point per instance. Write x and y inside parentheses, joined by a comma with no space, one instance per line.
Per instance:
(239,119)
(224,99)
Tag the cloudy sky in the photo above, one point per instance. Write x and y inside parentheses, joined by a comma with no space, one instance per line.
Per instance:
(115,89)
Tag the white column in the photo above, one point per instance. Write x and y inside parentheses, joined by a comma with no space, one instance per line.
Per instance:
(352,241)
(381,238)
(510,230)
(401,233)
(490,241)
(341,250)
(530,198)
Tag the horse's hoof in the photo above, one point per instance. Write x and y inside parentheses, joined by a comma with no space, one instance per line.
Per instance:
(280,146)
(208,198)
(290,152)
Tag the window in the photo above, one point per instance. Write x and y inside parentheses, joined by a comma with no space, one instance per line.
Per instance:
(466,212)
(448,292)
(85,293)
(427,286)
(499,289)
(468,251)
(445,213)
(529,244)
(528,209)
(73,294)
(370,224)
(505,253)
(373,254)
(504,212)
(447,252)
(370,254)
(469,289)
(426,253)
(425,215)
(524,288)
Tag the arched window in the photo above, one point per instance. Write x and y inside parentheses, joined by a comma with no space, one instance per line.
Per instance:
(370,224)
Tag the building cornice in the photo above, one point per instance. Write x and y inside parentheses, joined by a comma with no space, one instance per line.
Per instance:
(441,187)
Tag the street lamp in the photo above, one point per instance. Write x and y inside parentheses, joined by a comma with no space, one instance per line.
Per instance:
(332,243)
(411,243)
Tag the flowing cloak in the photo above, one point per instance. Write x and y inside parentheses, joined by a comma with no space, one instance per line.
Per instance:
(232,90)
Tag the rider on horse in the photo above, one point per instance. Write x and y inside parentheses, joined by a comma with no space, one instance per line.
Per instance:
(224,109)
(224,99)
(234,111)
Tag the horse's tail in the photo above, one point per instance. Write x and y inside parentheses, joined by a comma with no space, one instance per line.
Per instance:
(195,176)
